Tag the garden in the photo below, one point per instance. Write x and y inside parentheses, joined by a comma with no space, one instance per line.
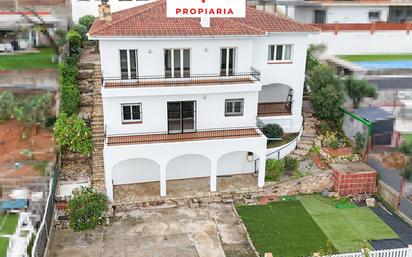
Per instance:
(8,225)
(42,58)
(303,225)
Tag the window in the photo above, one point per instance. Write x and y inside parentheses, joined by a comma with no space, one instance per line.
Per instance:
(320,16)
(131,113)
(227,61)
(374,16)
(128,64)
(181,116)
(177,63)
(234,107)
(280,53)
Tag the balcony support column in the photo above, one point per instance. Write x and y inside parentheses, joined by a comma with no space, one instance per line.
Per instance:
(262,171)
(213,175)
(162,180)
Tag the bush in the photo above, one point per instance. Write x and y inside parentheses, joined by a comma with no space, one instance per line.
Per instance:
(326,93)
(82,30)
(86,209)
(71,133)
(7,102)
(406,147)
(68,73)
(274,169)
(69,98)
(360,143)
(75,41)
(86,21)
(358,89)
(292,165)
(273,131)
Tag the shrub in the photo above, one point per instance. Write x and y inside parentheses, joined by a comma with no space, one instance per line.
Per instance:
(7,102)
(86,209)
(69,98)
(330,139)
(406,147)
(360,143)
(273,131)
(71,133)
(75,41)
(326,93)
(86,21)
(68,72)
(292,165)
(82,30)
(274,169)
(358,89)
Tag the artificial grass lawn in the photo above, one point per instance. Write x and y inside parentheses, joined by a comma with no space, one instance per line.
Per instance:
(4,243)
(346,228)
(22,61)
(10,225)
(282,228)
(376,57)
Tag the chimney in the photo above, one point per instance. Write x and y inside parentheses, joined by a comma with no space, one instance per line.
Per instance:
(105,13)
(205,22)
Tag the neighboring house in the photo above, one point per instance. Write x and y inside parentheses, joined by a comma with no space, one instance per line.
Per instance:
(21,33)
(181,97)
(91,7)
(337,11)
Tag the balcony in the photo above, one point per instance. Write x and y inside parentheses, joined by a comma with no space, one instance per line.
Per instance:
(189,80)
(274,109)
(199,135)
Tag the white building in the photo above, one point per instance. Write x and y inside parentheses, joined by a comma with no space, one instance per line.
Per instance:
(181,97)
(81,8)
(338,11)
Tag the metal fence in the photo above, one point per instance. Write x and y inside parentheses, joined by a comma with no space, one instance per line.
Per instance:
(401,252)
(43,234)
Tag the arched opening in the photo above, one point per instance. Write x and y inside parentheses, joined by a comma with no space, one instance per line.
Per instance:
(138,170)
(236,171)
(275,99)
(189,172)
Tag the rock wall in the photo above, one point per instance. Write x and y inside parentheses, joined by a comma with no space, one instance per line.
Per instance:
(388,194)
(310,184)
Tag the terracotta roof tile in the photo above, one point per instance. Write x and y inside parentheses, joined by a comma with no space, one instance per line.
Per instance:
(150,20)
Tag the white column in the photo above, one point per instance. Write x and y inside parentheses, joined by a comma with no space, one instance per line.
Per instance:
(163,180)
(37,38)
(213,175)
(108,180)
(262,171)
(30,38)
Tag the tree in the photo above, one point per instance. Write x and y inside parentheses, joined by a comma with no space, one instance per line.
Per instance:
(71,133)
(87,21)
(358,89)
(87,209)
(326,93)
(34,110)
(7,103)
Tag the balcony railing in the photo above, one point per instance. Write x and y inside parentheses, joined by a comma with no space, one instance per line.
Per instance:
(274,108)
(199,135)
(190,80)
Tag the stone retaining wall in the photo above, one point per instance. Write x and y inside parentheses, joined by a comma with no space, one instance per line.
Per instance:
(388,194)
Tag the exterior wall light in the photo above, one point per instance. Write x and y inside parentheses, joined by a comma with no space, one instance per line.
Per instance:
(249,156)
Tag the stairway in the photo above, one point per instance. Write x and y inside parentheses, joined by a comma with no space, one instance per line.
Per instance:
(309,136)
(98,137)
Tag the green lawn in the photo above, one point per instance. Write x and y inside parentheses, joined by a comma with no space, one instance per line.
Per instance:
(10,225)
(376,57)
(346,228)
(22,61)
(4,243)
(283,228)
(407,137)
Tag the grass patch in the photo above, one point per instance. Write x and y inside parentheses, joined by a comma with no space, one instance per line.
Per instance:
(10,224)
(347,228)
(42,59)
(282,228)
(4,243)
(376,57)
(285,139)
(407,137)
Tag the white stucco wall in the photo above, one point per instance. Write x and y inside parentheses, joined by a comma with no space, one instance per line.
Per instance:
(363,42)
(90,7)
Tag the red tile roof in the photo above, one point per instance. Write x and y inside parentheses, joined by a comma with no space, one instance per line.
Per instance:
(150,20)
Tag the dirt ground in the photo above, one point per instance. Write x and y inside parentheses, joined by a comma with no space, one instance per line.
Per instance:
(11,145)
(210,231)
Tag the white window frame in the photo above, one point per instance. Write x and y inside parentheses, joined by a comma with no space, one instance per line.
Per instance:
(172,63)
(227,59)
(233,112)
(283,60)
(131,113)
(375,11)
(129,72)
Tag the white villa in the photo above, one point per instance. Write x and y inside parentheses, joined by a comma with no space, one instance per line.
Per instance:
(181,97)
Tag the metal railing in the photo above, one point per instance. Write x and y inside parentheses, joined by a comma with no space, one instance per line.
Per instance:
(196,135)
(192,79)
